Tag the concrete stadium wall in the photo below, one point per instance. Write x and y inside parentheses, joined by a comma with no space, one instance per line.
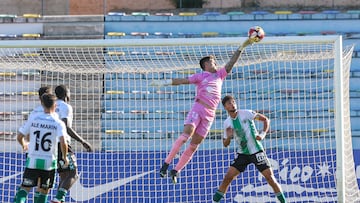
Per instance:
(96,7)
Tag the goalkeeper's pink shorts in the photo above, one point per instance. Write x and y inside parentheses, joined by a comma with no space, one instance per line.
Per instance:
(201,118)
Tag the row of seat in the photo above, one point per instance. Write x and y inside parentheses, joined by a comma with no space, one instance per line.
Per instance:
(215,13)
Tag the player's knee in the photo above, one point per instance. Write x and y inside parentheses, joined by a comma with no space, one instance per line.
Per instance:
(193,147)
(184,137)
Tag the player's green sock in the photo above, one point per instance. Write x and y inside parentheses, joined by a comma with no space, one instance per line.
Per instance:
(21,196)
(281,197)
(217,196)
(61,193)
(42,198)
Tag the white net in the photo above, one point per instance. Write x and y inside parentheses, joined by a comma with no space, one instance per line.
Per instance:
(132,125)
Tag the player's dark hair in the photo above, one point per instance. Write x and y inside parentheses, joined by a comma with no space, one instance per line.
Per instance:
(204,60)
(227,98)
(48,100)
(43,90)
(62,92)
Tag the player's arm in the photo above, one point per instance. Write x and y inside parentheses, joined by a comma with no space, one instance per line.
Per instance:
(229,135)
(78,138)
(64,150)
(167,82)
(23,141)
(235,57)
(266,125)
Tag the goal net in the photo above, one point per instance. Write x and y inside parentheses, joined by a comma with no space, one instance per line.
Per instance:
(300,83)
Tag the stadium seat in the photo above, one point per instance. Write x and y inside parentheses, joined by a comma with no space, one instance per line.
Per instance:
(114,132)
(330,11)
(164,14)
(231,13)
(307,12)
(7,36)
(283,12)
(187,14)
(187,35)
(117,34)
(4,116)
(211,14)
(8,16)
(7,74)
(353,11)
(163,34)
(209,34)
(117,14)
(116,53)
(140,14)
(28,35)
(328,32)
(141,34)
(260,12)
(167,53)
(31,54)
(29,93)
(31,15)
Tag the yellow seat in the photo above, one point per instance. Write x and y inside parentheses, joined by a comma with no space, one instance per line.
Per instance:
(111,132)
(118,34)
(7,74)
(31,54)
(31,15)
(210,34)
(320,130)
(187,72)
(283,12)
(31,35)
(117,53)
(187,14)
(115,92)
(217,131)
(29,93)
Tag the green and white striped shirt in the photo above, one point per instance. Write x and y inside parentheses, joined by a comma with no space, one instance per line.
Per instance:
(45,131)
(245,132)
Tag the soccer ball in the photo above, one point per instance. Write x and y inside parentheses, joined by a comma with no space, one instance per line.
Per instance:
(256,34)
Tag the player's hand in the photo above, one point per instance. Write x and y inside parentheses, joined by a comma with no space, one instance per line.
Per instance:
(230,132)
(88,147)
(65,163)
(261,136)
(25,147)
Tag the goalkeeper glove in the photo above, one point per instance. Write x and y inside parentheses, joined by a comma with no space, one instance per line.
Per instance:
(160,83)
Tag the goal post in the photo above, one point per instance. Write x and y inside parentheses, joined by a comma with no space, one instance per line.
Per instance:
(300,83)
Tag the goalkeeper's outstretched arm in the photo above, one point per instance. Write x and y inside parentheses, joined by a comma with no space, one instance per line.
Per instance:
(236,55)
(167,82)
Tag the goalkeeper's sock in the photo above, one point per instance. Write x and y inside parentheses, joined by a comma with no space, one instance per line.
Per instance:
(61,193)
(42,198)
(21,196)
(186,157)
(281,197)
(218,196)
(176,147)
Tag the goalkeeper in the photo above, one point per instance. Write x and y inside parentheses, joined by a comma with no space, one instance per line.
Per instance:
(240,126)
(201,116)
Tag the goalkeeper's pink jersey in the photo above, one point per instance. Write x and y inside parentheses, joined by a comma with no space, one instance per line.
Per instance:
(208,86)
